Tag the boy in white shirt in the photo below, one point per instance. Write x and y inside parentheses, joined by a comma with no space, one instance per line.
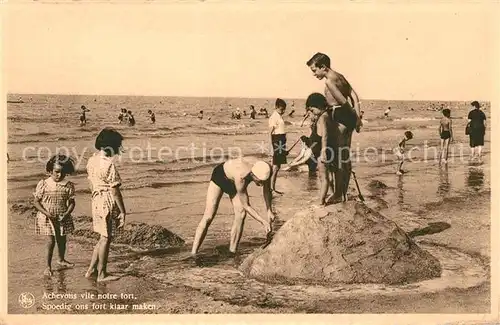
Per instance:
(278,140)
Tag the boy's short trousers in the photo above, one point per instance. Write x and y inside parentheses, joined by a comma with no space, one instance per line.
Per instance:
(399,153)
(279,149)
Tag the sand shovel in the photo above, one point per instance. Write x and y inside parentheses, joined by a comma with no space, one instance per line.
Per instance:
(269,238)
(357,186)
(288,151)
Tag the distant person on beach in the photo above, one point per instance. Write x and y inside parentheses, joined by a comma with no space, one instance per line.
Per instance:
(344,106)
(152,116)
(399,151)
(200,115)
(237,114)
(233,178)
(55,200)
(122,115)
(317,104)
(108,209)
(446,135)
(130,118)
(252,112)
(278,140)
(476,130)
(292,109)
(263,111)
(361,114)
(83,117)
(387,112)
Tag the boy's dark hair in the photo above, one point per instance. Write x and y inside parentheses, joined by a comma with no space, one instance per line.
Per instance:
(67,163)
(447,112)
(319,59)
(316,100)
(83,107)
(306,140)
(109,140)
(280,103)
(201,111)
(150,111)
(130,112)
(251,106)
(409,135)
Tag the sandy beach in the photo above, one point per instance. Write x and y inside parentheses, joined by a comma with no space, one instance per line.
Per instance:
(446,210)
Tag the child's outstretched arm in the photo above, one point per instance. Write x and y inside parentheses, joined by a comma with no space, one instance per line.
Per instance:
(304,156)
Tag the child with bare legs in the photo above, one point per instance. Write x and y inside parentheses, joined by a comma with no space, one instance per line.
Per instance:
(108,210)
(446,135)
(55,200)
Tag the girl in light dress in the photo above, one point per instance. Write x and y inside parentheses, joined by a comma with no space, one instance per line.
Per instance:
(108,210)
(55,200)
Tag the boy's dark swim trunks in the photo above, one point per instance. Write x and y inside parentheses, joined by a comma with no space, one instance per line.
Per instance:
(346,116)
(445,135)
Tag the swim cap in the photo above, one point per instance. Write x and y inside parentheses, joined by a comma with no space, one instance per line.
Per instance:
(261,170)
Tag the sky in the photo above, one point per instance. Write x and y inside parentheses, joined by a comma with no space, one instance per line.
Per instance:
(403,52)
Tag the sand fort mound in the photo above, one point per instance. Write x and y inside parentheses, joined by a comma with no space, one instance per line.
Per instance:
(343,243)
(134,234)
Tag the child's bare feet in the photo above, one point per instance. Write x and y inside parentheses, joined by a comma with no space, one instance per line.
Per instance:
(47,272)
(65,263)
(107,277)
(90,273)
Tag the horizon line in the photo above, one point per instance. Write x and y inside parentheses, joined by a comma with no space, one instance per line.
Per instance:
(235,97)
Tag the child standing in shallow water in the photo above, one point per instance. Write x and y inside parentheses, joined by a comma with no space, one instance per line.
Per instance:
(108,210)
(55,200)
(446,135)
(399,151)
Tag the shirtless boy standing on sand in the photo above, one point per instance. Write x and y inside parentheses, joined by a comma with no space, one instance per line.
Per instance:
(344,102)
(233,177)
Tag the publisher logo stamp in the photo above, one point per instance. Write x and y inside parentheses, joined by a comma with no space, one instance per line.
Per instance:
(26,299)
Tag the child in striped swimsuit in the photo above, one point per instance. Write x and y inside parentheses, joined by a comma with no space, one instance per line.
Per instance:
(55,200)
(108,210)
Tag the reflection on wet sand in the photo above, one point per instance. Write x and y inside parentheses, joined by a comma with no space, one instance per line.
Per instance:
(475,178)
(400,192)
(312,183)
(56,283)
(444,181)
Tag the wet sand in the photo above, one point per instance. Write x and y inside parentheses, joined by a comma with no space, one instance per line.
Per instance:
(443,209)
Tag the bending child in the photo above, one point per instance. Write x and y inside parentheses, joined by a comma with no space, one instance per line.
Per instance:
(304,155)
(399,151)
